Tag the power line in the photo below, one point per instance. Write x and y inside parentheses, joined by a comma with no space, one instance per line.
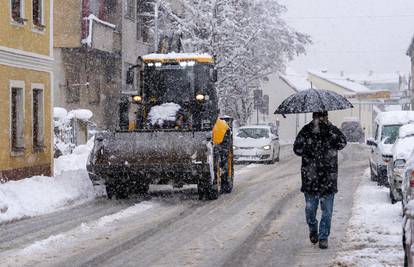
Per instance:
(353,17)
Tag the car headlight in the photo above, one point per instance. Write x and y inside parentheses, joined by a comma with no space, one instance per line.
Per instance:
(235,147)
(399,163)
(266,147)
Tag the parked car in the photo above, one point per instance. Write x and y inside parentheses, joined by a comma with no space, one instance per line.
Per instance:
(386,128)
(353,131)
(256,143)
(401,151)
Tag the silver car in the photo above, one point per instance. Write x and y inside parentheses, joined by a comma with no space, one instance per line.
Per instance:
(256,143)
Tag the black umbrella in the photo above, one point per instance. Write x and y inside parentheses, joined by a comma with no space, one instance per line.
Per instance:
(313,100)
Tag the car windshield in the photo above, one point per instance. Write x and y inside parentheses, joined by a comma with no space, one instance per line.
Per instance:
(390,133)
(255,133)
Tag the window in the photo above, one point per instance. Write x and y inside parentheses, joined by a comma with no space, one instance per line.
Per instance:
(37,11)
(16,117)
(130,9)
(37,120)
(145,17)
(17,11)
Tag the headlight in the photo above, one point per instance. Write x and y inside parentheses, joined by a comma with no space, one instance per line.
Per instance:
(399,163)
(266,147)
(234,147)
(200,97)
(137,98)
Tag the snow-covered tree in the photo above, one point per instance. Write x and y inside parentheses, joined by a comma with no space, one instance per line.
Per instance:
(248,37)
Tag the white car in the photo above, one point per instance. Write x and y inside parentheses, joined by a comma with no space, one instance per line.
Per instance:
(401,151)
(386,127)
(256,143)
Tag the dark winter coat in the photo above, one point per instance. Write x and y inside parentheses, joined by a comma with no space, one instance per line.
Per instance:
(319,152)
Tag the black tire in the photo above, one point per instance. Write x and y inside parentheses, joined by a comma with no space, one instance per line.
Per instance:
(122,190)
(214,189)
(110,191)
(374,178)
(228,179)
(392,197)
(140,188)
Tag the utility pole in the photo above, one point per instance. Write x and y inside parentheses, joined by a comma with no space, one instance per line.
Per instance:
(156,16)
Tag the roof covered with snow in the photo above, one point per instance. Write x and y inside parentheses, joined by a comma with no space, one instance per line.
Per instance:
(296,82)
(199,57)
(340,81)
(395,117)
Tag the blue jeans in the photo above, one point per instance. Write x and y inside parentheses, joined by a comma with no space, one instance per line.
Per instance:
(312,202)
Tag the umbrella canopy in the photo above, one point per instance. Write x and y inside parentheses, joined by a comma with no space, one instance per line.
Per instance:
(313,100)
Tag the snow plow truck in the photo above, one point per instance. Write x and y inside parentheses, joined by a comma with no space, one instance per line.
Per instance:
(176,137)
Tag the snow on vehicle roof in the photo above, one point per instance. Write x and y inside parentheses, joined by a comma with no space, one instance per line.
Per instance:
(403,148)
(199,57)
(341,81)
(406,130)
(59,113)
(255,126)
(395,117)
(81,114)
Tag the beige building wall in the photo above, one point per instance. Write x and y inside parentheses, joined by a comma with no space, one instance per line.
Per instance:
(67,34)
(362,109)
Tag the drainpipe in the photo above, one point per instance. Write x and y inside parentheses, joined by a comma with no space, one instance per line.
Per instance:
(85,22)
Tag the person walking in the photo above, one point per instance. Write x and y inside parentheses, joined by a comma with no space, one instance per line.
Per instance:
(318,143)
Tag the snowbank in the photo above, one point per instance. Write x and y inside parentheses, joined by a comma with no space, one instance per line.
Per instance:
(81,114)
(40,194)
(164,112)
(374,233)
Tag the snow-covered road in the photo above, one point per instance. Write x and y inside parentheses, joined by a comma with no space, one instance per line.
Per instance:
(260,224)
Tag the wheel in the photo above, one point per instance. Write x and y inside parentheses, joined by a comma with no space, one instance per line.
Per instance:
(208,188)
(140,188)
(122,190)
(392,197)
(215,187)
(227,183)
(374,178)
(109,191)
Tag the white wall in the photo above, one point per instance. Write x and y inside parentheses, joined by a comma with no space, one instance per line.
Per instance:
(278,91)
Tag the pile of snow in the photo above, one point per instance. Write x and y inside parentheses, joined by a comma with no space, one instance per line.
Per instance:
(395,117)
(75,161)
(41,194)
(374,233)
(59,113)
(164,112)
(80,114)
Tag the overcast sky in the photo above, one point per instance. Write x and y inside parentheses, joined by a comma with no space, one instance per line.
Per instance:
(355,36)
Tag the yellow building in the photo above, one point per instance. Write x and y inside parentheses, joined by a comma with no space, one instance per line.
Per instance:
(26,62)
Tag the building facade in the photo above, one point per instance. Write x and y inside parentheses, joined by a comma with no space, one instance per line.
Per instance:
(96,41)
(26,81)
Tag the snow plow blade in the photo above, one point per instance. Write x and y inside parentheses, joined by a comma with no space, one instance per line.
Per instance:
(150,157)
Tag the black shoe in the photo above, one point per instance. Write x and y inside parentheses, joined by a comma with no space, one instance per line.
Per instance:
(313,236)
(323,244)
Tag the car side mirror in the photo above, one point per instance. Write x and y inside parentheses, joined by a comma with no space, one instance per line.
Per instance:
(371,142)
(130,77)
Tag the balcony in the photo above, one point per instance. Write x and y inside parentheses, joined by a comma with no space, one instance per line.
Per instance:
(101,35)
